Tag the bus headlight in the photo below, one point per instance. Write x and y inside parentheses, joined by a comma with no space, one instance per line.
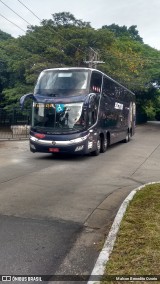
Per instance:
(32,138)
(79,140)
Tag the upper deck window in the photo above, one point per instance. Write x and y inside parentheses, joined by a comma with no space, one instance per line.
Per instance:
(96,82)
(62,82)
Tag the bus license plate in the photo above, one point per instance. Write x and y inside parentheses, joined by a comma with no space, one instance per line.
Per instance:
(54,150)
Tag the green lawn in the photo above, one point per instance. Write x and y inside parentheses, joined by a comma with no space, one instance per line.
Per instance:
(137,247)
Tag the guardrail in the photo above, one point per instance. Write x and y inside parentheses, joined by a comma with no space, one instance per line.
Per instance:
(14,132)
(14,123)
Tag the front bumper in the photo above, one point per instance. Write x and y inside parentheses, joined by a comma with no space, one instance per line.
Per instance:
(77,145)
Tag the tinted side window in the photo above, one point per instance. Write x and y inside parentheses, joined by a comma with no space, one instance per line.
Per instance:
(108,87)
(96,82)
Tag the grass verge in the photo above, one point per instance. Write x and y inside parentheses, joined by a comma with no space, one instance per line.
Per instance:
(137,247)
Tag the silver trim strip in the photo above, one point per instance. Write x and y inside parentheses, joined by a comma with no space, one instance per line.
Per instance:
(58,143)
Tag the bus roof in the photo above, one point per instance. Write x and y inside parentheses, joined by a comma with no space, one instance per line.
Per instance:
(72,68)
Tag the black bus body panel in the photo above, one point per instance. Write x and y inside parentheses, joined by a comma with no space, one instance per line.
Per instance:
(109,109)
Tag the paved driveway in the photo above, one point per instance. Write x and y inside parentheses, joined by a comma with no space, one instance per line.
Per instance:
(55,211)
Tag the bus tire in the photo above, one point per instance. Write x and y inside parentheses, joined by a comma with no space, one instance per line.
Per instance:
(104,144)
(128,137)
(98,147)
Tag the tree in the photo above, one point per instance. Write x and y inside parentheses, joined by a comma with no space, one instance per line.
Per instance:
(64,41)
(4,36)
(123,31)
(66,19)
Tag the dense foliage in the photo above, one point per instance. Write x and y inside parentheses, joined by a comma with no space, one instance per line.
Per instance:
(65,41)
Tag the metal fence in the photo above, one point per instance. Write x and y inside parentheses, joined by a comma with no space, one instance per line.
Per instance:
(14,123)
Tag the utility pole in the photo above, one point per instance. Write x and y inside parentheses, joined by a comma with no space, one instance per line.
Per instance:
(93,59)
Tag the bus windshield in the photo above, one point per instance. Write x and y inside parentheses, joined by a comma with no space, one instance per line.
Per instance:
(58,118)
(62,82)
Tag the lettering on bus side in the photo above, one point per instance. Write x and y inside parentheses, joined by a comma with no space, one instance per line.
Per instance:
(118,106)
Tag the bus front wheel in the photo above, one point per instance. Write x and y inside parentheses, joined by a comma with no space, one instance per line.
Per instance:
(98,147)
(128,137)
(104,144)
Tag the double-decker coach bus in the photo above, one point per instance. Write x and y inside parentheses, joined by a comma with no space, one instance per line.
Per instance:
(79,110)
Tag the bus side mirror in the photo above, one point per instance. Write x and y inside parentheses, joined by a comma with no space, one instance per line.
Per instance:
(24,97)
(91,100)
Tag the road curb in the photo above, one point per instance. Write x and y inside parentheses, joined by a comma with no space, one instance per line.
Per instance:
(103,258)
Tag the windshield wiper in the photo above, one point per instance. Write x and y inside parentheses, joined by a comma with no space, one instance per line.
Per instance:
(40,129)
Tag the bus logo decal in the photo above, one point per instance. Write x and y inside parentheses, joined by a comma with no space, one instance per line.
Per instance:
(118,106)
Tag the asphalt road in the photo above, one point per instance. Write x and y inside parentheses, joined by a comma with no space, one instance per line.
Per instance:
(55,211)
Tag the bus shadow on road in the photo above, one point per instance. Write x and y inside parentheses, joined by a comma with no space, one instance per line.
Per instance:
(64,157)
(75,157)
